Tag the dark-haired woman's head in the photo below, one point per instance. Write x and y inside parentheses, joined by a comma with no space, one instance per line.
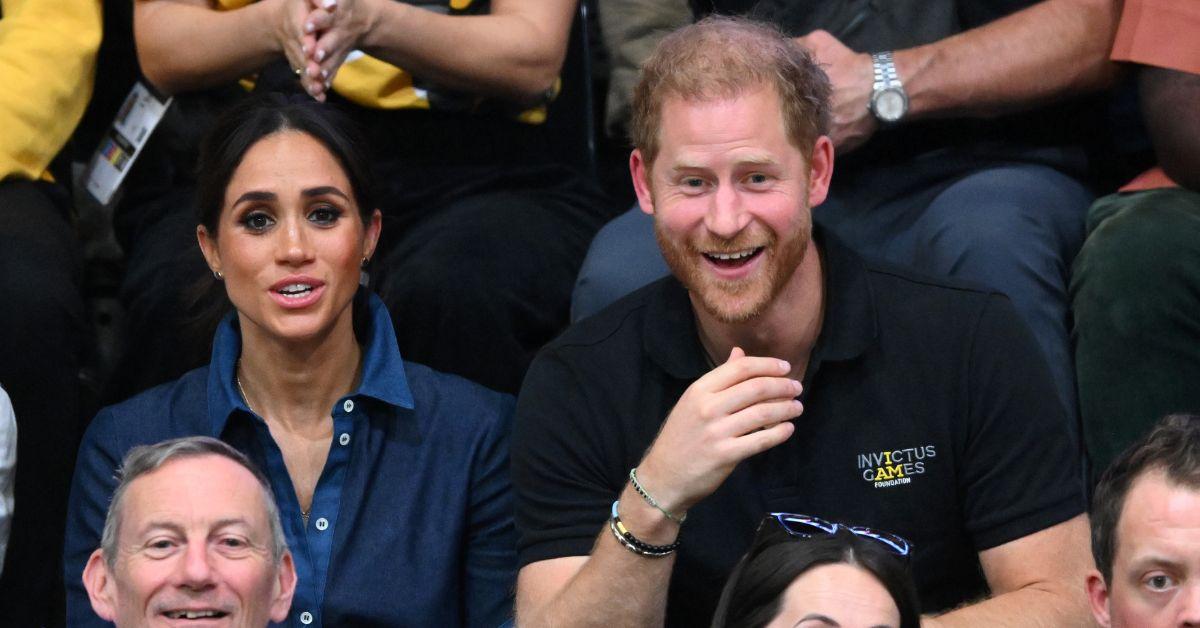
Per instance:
(251,120)
(814,581)
(285,218)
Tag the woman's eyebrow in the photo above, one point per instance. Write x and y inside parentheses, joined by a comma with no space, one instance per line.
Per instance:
(255,196)
(323,190)
(829,621)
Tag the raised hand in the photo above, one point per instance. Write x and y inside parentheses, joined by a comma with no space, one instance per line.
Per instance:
(852,75)
(332,28)
(289,31)
(737,410)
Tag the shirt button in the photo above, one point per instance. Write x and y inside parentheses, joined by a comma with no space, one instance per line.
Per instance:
(344,439)
(322,523)
(348,406)
(306,618)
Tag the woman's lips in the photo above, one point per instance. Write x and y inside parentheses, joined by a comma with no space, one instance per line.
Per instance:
(297,292)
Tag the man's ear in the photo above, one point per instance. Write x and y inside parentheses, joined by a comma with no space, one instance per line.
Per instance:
(286,588)
(639,171)
(1098,597)
(101,587)
(820,170)
(208,247)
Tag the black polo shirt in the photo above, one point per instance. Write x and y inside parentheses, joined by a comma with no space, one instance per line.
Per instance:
(928,413)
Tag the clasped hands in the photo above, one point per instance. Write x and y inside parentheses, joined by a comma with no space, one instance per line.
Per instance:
(317,35)
(739,409)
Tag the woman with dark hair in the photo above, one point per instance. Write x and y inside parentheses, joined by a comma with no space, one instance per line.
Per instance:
(482,174)
(805,572)
(392,479)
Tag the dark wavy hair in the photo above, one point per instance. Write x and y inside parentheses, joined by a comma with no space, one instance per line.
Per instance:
(754,592)
(1173,447)
(225,145)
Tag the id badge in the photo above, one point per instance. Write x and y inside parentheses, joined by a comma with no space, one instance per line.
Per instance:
(135,122)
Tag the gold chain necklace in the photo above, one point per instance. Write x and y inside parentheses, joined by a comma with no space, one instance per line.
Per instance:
(238,380)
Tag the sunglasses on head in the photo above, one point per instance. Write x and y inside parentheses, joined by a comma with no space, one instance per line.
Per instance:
(805,526)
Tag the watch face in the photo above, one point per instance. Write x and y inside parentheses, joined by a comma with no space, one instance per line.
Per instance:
(890,105)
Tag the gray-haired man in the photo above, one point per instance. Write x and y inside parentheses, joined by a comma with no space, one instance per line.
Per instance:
(192,533)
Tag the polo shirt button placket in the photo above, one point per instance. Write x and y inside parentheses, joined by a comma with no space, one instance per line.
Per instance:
(306,618)
(344,439)
(348,406)
(322,524)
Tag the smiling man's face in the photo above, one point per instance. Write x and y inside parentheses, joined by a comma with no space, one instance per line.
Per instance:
(731,197)
(194,548)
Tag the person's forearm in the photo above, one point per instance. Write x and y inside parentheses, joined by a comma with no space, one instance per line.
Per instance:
(1052,606)
(182,46)
(516,51)
(615,587)
(1037,55)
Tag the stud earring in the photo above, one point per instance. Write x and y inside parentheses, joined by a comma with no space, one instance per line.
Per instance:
(364,278)
(218,276)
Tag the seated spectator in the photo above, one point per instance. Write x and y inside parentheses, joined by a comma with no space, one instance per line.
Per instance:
(1136,283)
(488,227)
(8,467)
(1146,531)
(47,61)
(192,533)
(805,572)
(369,456)
(916,418)
(966,131)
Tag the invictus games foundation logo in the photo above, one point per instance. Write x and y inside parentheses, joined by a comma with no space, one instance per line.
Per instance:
(896,466)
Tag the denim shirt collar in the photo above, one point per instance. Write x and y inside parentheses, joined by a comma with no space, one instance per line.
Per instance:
(383,376)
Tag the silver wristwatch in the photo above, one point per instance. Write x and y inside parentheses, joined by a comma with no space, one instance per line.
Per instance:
(889,101)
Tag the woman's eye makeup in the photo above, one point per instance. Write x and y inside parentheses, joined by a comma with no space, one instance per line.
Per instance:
(325,214)
(256,220)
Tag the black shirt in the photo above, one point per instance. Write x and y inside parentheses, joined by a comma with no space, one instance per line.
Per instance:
(928,413)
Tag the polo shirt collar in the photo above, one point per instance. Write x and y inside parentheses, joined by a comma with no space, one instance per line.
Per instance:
(383,376)
(848,329)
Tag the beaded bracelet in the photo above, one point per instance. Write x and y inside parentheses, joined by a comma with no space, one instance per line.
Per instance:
(637,486)
(632,543)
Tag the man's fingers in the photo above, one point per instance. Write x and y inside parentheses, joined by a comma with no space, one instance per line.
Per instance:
(741,369)
(753,391)
(759,441)
(761,416)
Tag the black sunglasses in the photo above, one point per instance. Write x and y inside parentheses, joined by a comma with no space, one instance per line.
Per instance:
(805,526)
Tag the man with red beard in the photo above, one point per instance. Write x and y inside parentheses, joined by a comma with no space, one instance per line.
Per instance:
(776,371)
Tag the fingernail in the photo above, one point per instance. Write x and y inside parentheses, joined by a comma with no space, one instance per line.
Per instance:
(325,75)
(308,27)
(320,55)
(784,365)
(305,48)
(329,4)
(327,84)
(797,386)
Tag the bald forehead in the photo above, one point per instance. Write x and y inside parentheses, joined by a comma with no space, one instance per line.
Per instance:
(191,490)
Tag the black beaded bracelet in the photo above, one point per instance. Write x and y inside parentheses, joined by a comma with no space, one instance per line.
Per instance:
(632,543)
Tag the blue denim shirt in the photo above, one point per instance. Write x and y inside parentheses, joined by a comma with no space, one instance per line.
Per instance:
(411,521)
